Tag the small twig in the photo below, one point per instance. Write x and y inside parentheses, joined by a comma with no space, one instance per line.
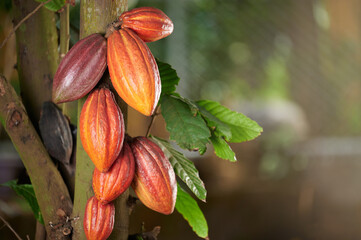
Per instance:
(64,31)
(22,21)
(112,27)
(152,120)
(8,225)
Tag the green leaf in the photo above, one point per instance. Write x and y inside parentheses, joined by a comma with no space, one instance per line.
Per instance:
(168,76)
(54,5)
(183,168)
(219,128)
(27,192)
(188,130)
(191,212)
(222,149)
(194,108)
(242,127)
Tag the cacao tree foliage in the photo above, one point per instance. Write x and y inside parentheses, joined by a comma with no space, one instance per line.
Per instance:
(27,192)
(191,212)
(222,149)
(193,125)
(186,121)
(168,76)
(54,5)
(187,129)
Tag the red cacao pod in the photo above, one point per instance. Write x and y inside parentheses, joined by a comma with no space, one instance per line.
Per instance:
(81,69)
(133,71)
(101,127)
(98,219)
(154,180)
(109,185)
(151,24)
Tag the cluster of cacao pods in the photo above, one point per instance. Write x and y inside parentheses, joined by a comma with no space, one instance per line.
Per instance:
(134,74)
(141,164)
(132,67)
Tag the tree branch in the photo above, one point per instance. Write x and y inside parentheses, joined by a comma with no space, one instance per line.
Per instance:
(49,187)
(21,22)
(11,229)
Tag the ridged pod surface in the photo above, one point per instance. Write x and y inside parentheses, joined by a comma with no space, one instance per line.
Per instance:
(154,180)
(55,132)
(133,71)
(151,24)
(98,219)
(81,69)
(109,185)
(101,127)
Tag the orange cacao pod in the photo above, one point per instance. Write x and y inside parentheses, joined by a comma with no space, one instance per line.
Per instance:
(109,185)
(133,71)
(154,180)
(101,127)
(98,219)
(151,24)
(81,69)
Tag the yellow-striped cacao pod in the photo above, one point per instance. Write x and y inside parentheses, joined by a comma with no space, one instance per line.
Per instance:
(98,220)
(101,127)
(133,71)
(109,185)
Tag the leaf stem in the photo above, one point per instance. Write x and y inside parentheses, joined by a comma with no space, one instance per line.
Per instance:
(152,120)
(22,21)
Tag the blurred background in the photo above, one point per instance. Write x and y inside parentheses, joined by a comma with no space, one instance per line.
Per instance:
(294,67)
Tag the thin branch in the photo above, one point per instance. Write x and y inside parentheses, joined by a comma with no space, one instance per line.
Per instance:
(151,120)
(8,225)
(22,21)
(64,31)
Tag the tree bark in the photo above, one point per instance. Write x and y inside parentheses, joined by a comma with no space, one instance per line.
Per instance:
(37,46)
(50,190)
(95,15)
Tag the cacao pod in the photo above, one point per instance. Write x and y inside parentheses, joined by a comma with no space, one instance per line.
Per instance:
(133,71)
(98,219)
(154,180)
(55,132)
(151,24)
(81,69)
(109,185)
(101,127)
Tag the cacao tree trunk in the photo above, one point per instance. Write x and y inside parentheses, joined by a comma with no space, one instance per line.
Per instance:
(50,190)
(95,15)
(37,61)
(37,48)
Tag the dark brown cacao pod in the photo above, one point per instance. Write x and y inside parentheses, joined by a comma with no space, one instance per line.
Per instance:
(55,132)
(151,24)
(101,127)
(133,71)
(154,180)
(98,219)
(81,69)
(109,185)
